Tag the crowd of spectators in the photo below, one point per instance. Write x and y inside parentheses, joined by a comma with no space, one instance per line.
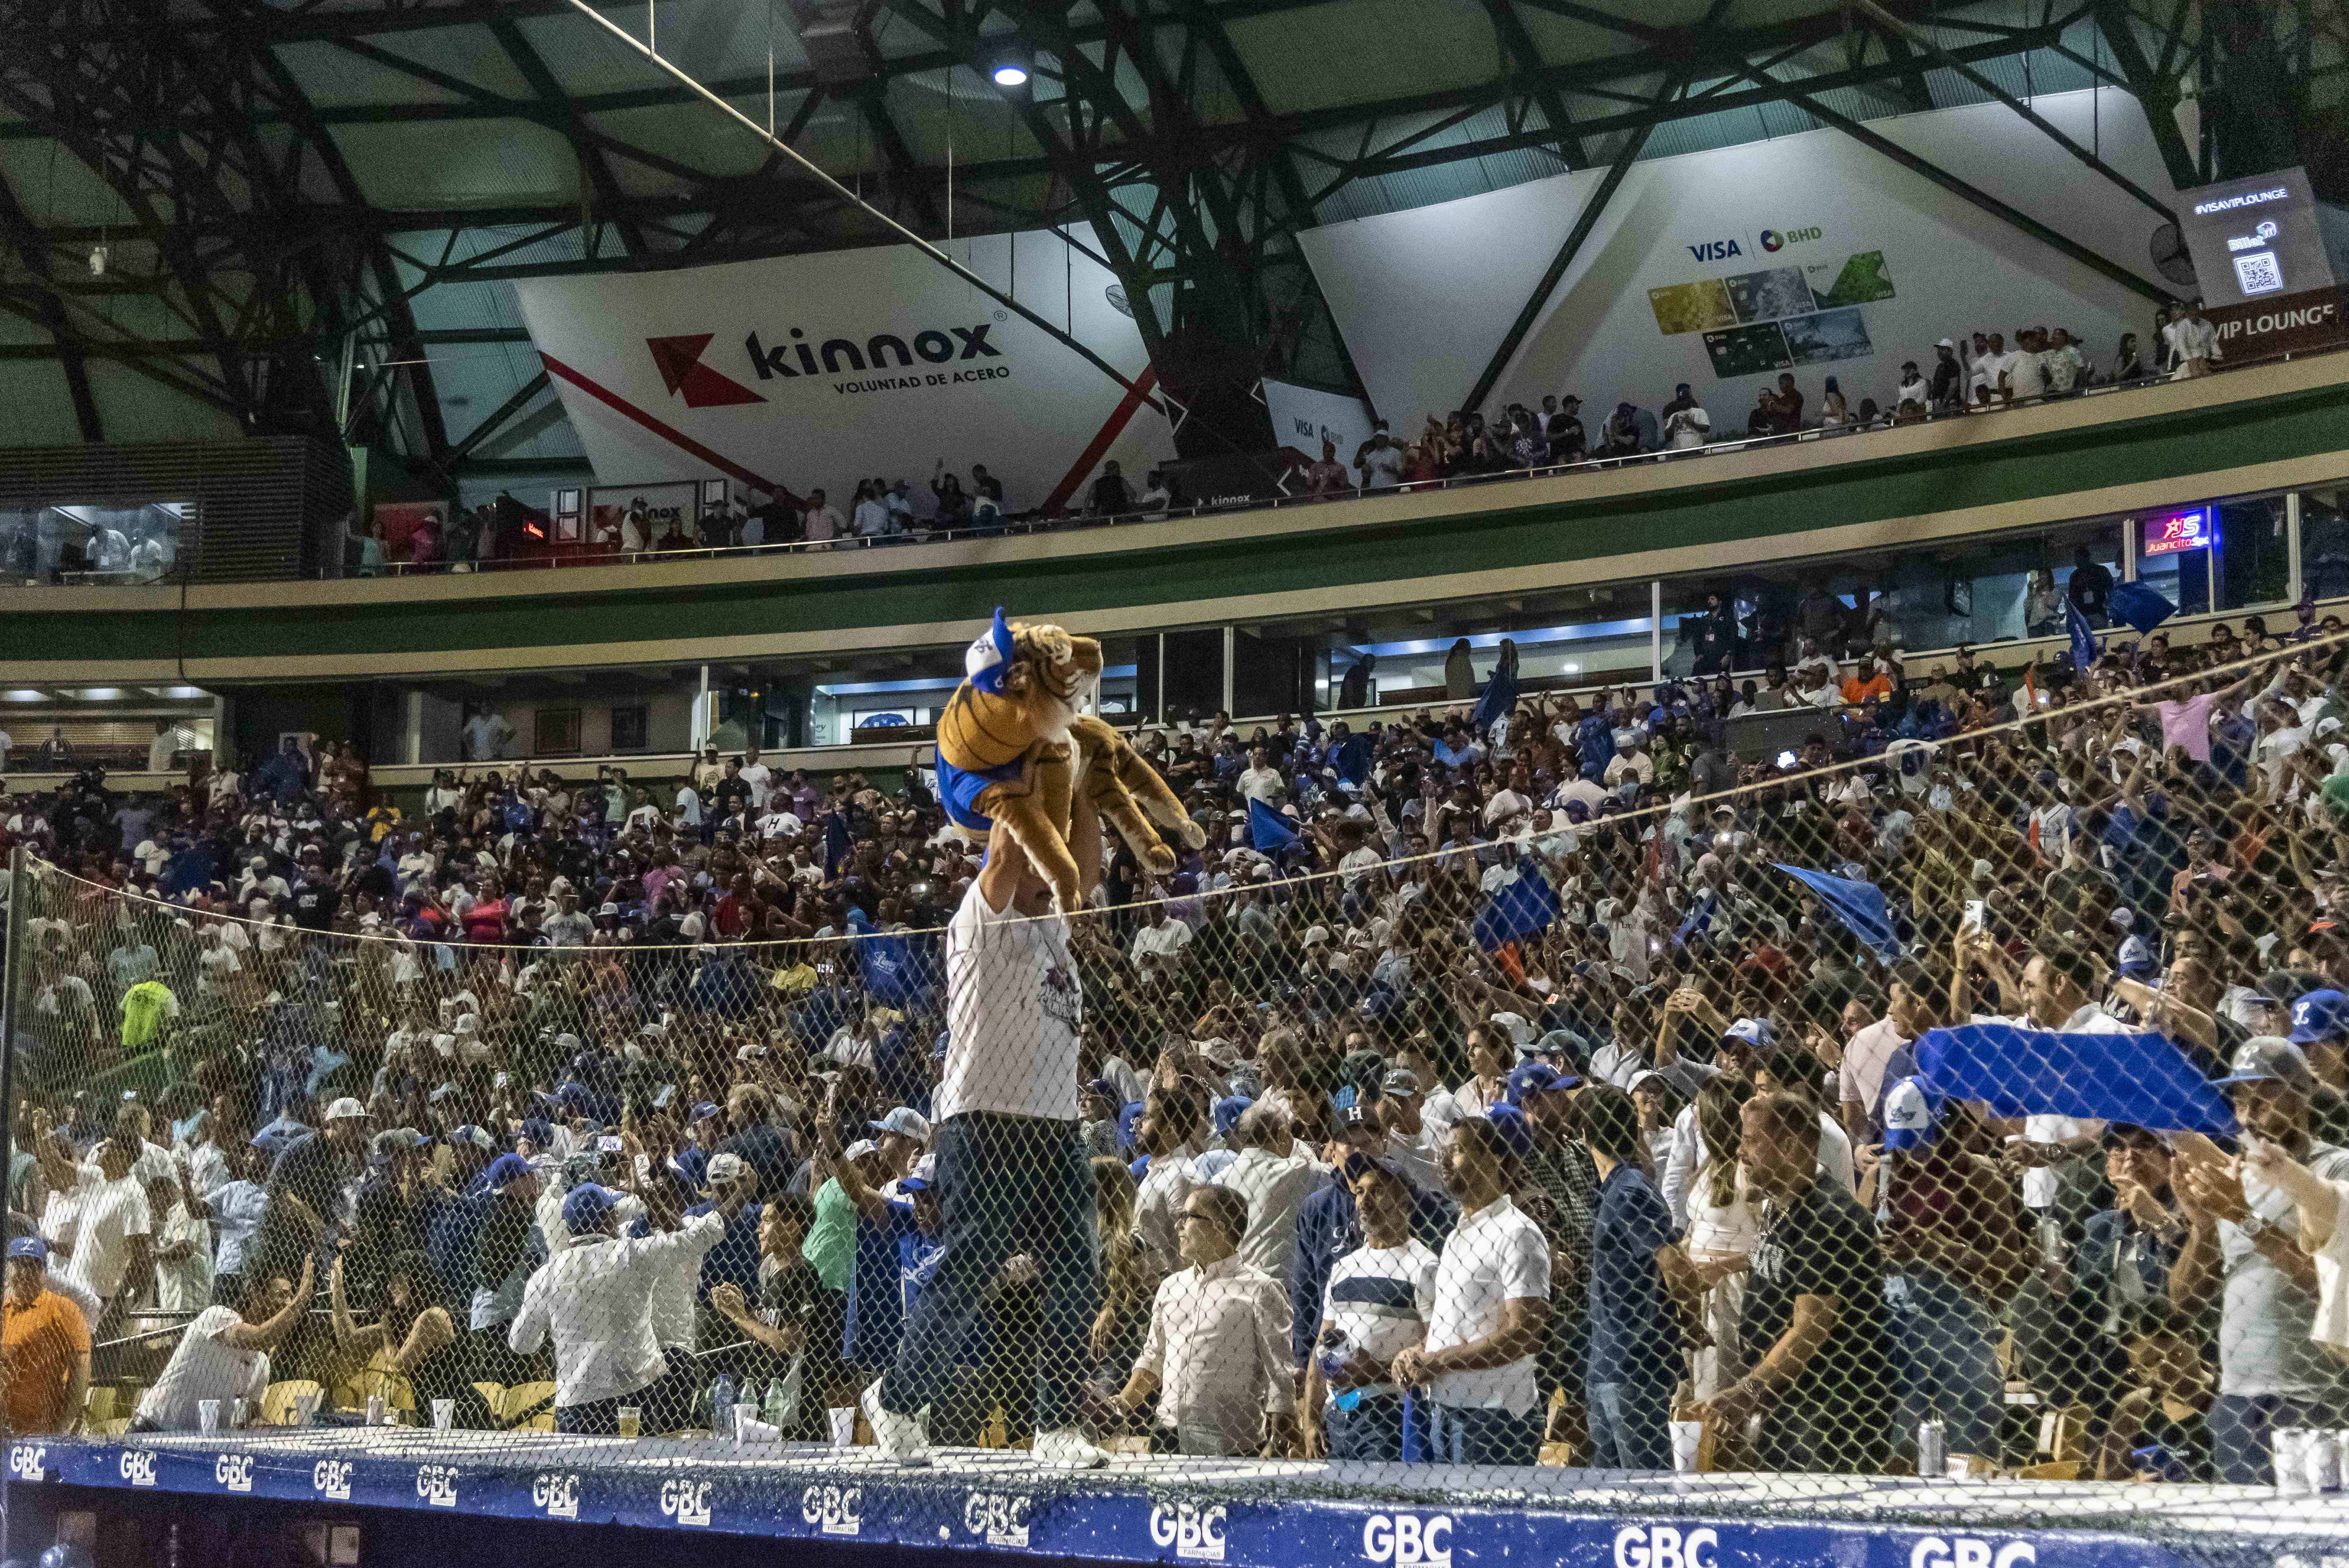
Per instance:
(1969,373)
(1482,1063)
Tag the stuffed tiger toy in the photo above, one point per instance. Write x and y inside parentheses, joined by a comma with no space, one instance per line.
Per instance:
(1014,747)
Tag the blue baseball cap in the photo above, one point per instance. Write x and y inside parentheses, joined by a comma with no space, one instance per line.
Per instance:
(1911,1114)
(587,1204)
(506,1169)
(703,1112)
(1514,1130)
(2319,1016)
(29,1247)
(923,1176)
(1227,1113)
(539,1130)
(1535,1078)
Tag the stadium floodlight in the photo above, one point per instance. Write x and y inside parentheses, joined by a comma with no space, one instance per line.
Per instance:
(1007,65)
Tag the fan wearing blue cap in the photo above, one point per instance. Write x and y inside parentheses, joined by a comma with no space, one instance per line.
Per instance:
(594,1299)
(46,1340)
(2319,1027)
(504,1252)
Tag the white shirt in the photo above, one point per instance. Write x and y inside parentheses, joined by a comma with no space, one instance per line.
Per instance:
(1362,1305)
(2192,338)
(1013,1007)
(760,779)
(1261,784)
(202,1368)
(595,1299)
(2039,1183)
(1218,1345)
(1276,1186)
(185,1286)
(111,1212)
(1164,1188)
(1493,1256)
(779,825)
(1165,940)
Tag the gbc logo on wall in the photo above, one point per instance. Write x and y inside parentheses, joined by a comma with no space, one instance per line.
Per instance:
(1000,1517)
(1407,1540)
(1969,1552)
(687,1501)
(437,1485)
(1665,1547)
(28,1461)
(556,1495)
(234,1471)
(332,1478)
(1195,1533)
(835,1510)
(137,1467)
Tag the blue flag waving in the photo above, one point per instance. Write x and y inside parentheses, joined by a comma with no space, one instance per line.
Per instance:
(2139,607)
(1519,909)
(1858,904)
(835,841)
(2144,1079)
(1269,831)
(2084,638)
(1498,700)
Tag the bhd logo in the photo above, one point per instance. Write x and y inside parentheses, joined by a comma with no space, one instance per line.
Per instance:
(137,1466)
(1000,1517)
(1195,1533)
(234,1471)
(1409,1540)
(1662,1546)
(1969,1552)
(331,1478)
(1774,240)
(687,1501)
(27,1461)
(835,1510)
(557,1496)
(681,371)
(437,1485)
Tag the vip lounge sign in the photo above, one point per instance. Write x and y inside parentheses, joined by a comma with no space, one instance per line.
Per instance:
(2263,266)
(815,372)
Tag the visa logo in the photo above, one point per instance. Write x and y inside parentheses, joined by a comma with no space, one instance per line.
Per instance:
(1715,250)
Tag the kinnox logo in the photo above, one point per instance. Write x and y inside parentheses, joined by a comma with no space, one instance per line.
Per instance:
(556,1495)
(687,1501)
(1772,240)
(332,1478)
(1000,1517)
(835,1510)
(1662,1546)
(932,346)
(234,1471)
(137,1466)
(437,1485)
(1715,250)
(1196,1533)
(27,1461)
(681,371)
(1969,1552)
(1407,1540)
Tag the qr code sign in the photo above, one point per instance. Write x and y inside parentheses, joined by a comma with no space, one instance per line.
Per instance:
(2258,274)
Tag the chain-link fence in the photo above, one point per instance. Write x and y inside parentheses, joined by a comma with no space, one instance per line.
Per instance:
(1971,1106)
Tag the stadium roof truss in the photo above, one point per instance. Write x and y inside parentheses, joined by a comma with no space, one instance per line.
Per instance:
(222,216)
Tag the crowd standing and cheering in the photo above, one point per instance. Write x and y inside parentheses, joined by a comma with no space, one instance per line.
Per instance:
(1482,1085)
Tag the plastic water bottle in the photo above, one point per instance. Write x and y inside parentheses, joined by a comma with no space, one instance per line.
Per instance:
(1933,1449)
(722,1404)
(772,1408)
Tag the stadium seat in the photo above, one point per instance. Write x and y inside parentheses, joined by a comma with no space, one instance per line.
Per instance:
(493,1395)
(528,1406)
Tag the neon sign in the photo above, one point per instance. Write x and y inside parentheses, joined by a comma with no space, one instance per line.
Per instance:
(2177,530)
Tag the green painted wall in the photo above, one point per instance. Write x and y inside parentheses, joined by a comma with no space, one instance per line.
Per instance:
(2027,468)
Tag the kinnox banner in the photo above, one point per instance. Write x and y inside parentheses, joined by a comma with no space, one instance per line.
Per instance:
(669,509)
(817,371)
(1812,254)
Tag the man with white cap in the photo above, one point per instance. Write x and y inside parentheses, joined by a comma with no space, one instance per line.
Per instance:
(594,1299)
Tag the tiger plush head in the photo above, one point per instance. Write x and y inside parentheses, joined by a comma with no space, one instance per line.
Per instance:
(1035,661)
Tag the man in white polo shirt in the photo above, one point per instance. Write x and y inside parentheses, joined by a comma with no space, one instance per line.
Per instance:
(1491,1309)
(112,1222)
(1013,1174)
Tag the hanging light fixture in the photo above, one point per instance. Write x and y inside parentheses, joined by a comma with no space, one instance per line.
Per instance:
(1006,63)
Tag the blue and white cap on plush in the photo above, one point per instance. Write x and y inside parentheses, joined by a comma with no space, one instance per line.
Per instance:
(989,658)
(1909,1115)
